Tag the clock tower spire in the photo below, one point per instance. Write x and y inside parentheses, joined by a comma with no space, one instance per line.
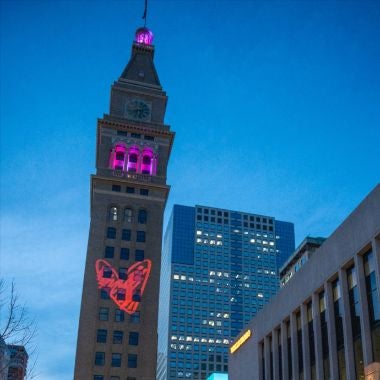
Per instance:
(117,334)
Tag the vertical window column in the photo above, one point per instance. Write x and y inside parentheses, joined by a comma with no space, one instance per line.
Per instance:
(267,361)
(294,345)
(305,342)
(348,346)
(284,350)
(364,318)
(261,361)
(275,353)
(372,287)
(331,331)
(317,336)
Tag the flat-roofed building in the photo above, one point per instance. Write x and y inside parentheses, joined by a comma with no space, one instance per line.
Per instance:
(300,256)
(325,323)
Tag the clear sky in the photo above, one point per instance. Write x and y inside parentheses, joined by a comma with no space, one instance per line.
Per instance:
(275,105)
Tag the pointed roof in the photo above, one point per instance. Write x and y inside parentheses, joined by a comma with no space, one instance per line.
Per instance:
(140,67)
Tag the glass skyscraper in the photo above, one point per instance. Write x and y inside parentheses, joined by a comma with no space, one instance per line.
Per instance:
(219,267)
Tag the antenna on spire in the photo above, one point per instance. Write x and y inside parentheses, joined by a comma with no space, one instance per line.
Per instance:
(145,12)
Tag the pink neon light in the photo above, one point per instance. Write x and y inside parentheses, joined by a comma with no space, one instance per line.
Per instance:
(133,159)
(144,36)
(125,293)
(118,157)
(147,161)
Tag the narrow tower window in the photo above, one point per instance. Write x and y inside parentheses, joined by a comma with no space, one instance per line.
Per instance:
(128,215)
(133,158)
(113,213)
(117,158)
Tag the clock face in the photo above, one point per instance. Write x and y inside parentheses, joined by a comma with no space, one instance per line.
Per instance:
(138,109)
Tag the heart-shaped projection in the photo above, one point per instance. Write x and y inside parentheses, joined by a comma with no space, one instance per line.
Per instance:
(126,293)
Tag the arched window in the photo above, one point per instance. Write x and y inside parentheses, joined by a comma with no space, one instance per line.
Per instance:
(142,217)
(146,164)
(128,214)
(113,213)
(117,159)
(133,159)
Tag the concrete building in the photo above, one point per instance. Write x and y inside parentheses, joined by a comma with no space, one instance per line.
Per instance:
(300,256)
(117,337)
(325,323)
(222,269)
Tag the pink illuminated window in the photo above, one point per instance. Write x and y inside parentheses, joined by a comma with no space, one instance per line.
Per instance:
(147,166)
(117,159)
(133,159)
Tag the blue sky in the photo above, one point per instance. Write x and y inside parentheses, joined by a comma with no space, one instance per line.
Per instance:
(275,105)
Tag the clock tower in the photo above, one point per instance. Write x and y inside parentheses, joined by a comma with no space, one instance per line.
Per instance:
(117,336)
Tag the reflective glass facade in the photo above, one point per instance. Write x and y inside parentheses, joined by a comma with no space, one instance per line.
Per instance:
(223,269)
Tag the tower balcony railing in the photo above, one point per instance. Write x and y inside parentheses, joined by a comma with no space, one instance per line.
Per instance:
(133,176)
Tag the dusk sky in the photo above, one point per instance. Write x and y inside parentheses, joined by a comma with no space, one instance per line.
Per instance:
(275,105)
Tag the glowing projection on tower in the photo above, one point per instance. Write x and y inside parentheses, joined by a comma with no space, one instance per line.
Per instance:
(125,292)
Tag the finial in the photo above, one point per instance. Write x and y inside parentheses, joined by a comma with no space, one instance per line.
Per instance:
(145,12)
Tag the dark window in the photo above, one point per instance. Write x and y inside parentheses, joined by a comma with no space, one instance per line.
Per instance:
(98,377)
(128,215)
(135,317)
(116,360)
(136,135)
(130,190)
(131,378)
(132,361)
(144,192)
(338,316)
(99,358)
(136,296)
(109,252)
(139,255)
(299,344)
(101,336)
(123,273)
(116,188)
(150,138)
(140,237)
(142,217)
(324,333)
(124,253)
(120,156)
(355,311)
(104,293)
(103,313)
(133,338)
(133,158)
(122,133)
(117,337)
(111,233)
(119,315)
(126,235)
(146,160)
(107,272)
(120,294)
